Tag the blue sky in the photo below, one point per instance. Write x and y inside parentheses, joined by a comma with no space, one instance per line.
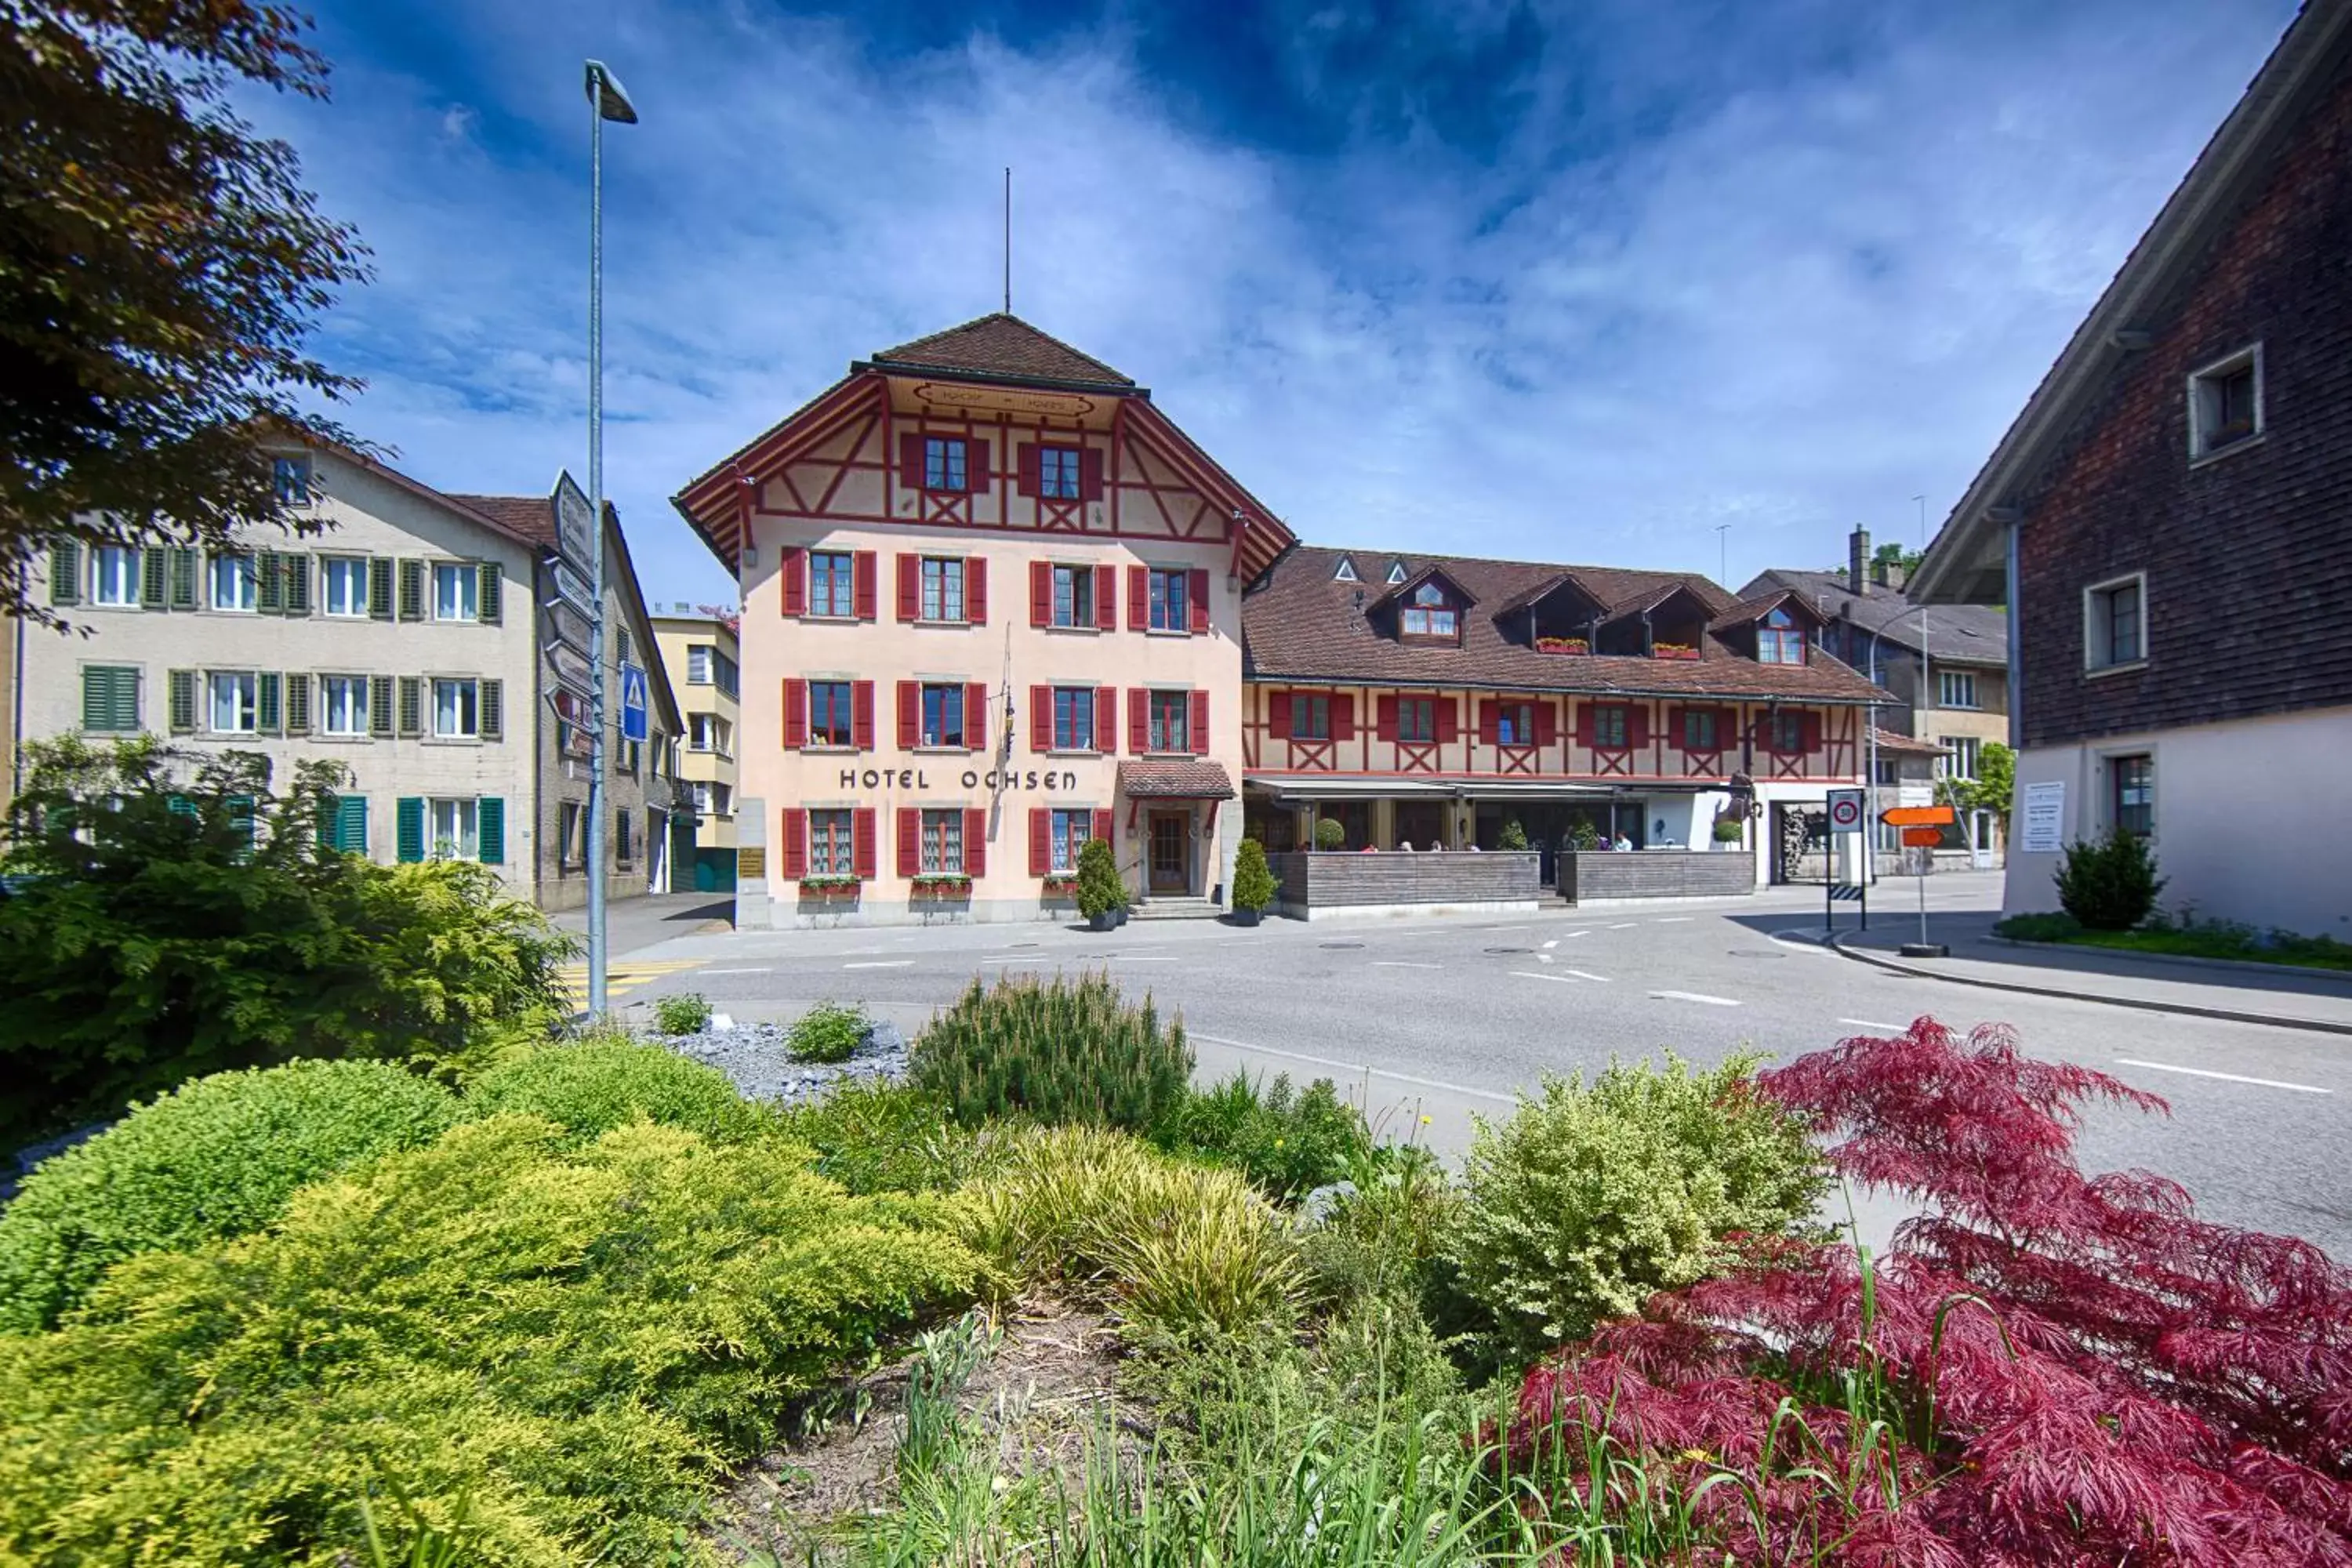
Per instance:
(1577,282)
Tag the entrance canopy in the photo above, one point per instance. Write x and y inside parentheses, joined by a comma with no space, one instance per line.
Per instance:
(1171,780)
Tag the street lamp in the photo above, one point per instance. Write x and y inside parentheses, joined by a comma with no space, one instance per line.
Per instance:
(607,99)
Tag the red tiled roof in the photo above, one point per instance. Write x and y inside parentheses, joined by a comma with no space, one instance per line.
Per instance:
(1297,624)
(1175,780)
(1888,740)
(531,518)
(1000,345)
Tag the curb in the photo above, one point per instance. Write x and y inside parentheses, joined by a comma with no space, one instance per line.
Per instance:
(2187,1009)
(2185,960)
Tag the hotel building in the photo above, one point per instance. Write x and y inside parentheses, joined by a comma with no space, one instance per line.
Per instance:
(995,602)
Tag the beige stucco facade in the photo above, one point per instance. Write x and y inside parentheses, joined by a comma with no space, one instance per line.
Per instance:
(704,658)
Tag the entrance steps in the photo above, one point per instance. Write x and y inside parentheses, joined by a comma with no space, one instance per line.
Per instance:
(1170,908)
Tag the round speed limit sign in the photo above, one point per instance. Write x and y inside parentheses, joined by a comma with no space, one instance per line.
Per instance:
(1845,810)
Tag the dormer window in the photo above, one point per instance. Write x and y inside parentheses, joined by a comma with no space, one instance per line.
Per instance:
(1347,572)
(1779,639)
(1428,614)
(1396,572)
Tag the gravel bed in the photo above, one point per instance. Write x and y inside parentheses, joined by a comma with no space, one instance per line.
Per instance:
(753,1055)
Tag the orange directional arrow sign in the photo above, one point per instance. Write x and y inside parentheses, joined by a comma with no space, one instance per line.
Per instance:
(1922,837)
(1918,816)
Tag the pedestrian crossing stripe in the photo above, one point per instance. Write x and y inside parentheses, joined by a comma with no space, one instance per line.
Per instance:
(624,976)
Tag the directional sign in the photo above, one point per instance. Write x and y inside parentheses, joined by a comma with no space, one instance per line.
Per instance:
(1919,816)
(636,696)
(567,625)
(579,736)
(573,521)
(572,589)
(1845,810)
(570,668)
(1922,837)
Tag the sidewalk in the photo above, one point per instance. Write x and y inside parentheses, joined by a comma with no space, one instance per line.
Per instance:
(2314,999)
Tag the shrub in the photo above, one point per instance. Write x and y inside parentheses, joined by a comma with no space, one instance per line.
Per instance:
(687,1015)
(1583,834)
(874,1137)
(591,1086)
(169,916)
(1183,1249)
(1730,830)
(565,1343)
(1330,833)
(217,1157)
(1586,1201)
(1254,883)
(1061,1052)
(1098,886)
(1285,1142)
(1514,836)
(2044,1368)
(2109,884)
(827,1032)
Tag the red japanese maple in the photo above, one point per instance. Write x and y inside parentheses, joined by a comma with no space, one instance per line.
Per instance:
(2045,1368)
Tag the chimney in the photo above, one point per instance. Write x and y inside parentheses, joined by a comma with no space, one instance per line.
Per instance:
(1888,574)
(1857,562)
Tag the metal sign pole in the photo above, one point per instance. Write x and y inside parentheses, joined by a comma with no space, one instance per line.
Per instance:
(595,828)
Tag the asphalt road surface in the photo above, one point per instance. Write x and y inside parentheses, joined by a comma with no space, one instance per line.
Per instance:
(1447,1018)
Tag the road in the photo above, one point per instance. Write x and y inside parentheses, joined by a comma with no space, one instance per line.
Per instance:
(1448,1019)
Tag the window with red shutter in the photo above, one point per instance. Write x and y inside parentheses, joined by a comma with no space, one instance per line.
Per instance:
(975,842)
(1138,720)
(1041,593)
(791,573)
(910,841)
(1547,724)
(1102,826)
(1040,718)
(1200,736)
(861,715)
(869,571)
(795,714)
(976,461)
(1384,712)
(795,857)
(1107,598)
(1024,468)
(910,461)
(910,588)
(862,843)
(910,715)
(1041,843)
(975,717)
(1637,726)
(1198,609)
(1277,715)
(975,590)
(1449,719)
(1138,598)
(1090,474)
(1106,720)
(1343,716)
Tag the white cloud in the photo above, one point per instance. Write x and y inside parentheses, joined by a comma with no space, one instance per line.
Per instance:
(1789,307)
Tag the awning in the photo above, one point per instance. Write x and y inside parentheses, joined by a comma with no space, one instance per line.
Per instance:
(1158,780)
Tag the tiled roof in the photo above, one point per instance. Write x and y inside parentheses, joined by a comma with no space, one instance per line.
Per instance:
(1171,780)
(1888,740)
(1298,624)
(1000,345)
(1976,633)
(531,518)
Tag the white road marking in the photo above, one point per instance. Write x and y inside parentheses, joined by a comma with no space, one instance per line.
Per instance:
(1560,979)
(770,970)
(1801,942)
(1873,1024)
(1674,920)
(1581,975)
(1546,958)
(1357,1068)
(1694,996)
(1586,931)
(882,964)
(1140,958)
(1625,925)
(1403,963)
(1552,943)
(1498,928)
(2224,1077)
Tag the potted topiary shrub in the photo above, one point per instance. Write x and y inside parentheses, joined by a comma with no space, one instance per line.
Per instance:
(1513,836)
(1728,831)
(1330,834)
(1254,885)
(1099,894)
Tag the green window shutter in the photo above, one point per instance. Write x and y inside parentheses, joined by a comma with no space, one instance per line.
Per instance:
(267,683)
(494,710)
(126,698)
(269,590)
(379,705)
(154,578)
(65,572)
(97,697)
(181,805)
(412,590)
(240,812)
(490,829)
(296,571)
(411,705)
(493,579)
(350,823)
(184,701)
(298,701)
(380,588)
(183,578)
(410,811)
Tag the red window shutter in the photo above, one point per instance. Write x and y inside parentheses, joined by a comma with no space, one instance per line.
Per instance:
(1729,734)
(1343,717)
(1449,718)
(792,570)
(1106,720)
(1637,726)
(861,842)
(1813,732)
(795,714)
(869,569)
(975,464)
(1107,598)
(795,844)
(1041,593)
(1547,724)
(1138,720)
(975,717)
(1138,598)
(1024,468)
(910,715)
(861,714)
(975,590)
(910,841)
(1200,725)
(1090,473)
(1041,841)
(1490,722)
(1385,718)
(1196,601)
(975,842)
(910,588)
(1041,718)
(910,461)
(1584,726)
(1277,715)
(1102,826)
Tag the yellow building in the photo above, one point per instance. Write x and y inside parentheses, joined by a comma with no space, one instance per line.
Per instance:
(700,649)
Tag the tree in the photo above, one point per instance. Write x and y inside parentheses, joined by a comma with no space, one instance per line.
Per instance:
(160,265)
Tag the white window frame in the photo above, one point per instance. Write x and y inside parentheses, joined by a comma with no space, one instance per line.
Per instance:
(1068,829)
(934,601)
(1081,583)
(467,576)
(358,565)
(936,831)
(127,578)
(248,573)
(466,822)
(2098,635)
(1950,764)
(697,663)
(1947,681)
(357,684)
(250,699)
(2204,400)
(460,686)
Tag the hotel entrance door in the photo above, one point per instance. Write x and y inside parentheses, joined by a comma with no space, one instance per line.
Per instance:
(1169,852)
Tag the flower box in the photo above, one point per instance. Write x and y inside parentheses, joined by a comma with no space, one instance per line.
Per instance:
(830,889)
(1061,885)
(944,885)
(1563,645)
(1673,650)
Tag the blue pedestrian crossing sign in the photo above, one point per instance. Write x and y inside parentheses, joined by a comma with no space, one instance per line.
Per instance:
(634,700)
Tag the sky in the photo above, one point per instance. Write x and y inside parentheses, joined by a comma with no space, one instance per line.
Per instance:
(1689,286)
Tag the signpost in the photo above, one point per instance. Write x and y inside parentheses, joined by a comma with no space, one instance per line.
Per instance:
(1847,807)
(1923,829)
(635,696)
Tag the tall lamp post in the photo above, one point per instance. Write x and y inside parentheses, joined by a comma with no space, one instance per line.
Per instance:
(606,100)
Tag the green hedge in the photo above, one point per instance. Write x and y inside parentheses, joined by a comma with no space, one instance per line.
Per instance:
(218,1157)
(592,1085)
(1064,1052)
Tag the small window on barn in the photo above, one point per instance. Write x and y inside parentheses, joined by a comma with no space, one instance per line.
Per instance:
(2225,403)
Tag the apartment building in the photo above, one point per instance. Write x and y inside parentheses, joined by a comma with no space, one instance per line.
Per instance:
(700,649)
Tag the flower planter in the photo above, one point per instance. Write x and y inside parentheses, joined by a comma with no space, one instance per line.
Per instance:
(1563,645)
(1248,917)
(1673,650)
(844,891)
(1106,920)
